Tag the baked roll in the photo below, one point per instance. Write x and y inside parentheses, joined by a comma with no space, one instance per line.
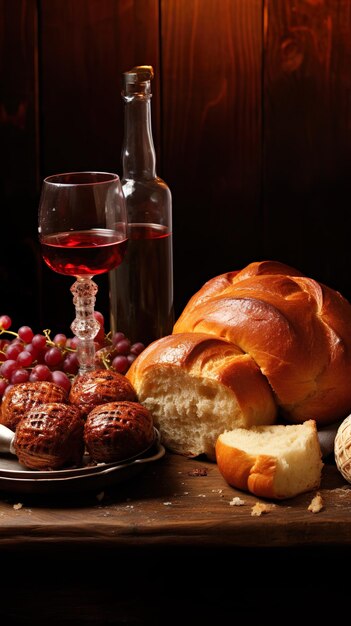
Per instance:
(117,431)
(297,330)
(50,437)
(23,397)
(196,386)
(98,387)
(279,461)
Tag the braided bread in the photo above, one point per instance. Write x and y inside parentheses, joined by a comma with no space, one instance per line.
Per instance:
(293,331)
(297,330)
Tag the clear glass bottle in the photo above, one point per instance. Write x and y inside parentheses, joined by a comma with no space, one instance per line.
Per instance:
(141,288)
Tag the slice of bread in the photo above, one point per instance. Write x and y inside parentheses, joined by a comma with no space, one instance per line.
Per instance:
(271,461)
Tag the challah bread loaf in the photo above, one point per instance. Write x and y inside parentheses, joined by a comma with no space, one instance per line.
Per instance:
(297,330)
(271,461)
(196,386)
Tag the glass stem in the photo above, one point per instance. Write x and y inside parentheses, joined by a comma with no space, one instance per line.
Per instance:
(85,326)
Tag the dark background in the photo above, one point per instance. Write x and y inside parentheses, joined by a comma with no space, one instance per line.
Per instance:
(251,121)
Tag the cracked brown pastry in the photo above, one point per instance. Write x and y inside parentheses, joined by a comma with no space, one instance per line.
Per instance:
(50,437)
(117,431)
(23,397)
(98,387)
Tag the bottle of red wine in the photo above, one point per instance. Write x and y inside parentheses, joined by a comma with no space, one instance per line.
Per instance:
(141,288)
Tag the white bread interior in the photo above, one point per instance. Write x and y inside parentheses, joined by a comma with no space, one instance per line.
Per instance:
(196,386)
(278,461)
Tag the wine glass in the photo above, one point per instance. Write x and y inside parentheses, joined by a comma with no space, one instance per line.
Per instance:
(83,233)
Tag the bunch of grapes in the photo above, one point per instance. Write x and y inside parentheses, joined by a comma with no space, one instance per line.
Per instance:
(25,356)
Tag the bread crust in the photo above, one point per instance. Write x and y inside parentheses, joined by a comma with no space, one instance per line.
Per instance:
(297,330)
(50,437)
(118,430)
(23,397)
(213,361)
(98,387)
(245,471)
(262,474)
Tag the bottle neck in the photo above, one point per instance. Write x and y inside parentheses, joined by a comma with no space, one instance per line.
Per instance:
(138,154)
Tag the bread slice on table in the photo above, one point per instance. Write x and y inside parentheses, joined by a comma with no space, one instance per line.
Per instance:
(196,386)
(275,461)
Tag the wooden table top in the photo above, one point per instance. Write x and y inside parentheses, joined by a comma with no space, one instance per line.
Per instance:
(177,501)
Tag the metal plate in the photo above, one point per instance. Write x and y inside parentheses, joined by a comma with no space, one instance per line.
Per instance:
(77,480)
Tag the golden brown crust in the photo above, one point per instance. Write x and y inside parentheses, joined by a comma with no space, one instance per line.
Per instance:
(204,356)
(23,397)
(98,387)
(297,330)
(118,431)
(50,437)
(247,472)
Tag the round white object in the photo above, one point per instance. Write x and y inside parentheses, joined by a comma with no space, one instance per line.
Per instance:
(342,448)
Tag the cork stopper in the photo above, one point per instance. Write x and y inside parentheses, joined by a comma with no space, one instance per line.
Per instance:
(137,81)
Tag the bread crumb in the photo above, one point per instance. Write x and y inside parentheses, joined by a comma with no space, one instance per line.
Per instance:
(167,503)
(236,502)
(17,506)
(261,507)
(200,471)
(316,504)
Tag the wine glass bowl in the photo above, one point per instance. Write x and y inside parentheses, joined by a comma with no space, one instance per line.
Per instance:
(83,233)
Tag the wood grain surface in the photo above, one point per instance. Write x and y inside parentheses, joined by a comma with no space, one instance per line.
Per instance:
(307,137)
(182,502)
(167,548)
(211,94)
(251,120)
(85,48)
(20,264)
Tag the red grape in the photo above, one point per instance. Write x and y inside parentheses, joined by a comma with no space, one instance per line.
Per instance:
(40,372)
(117,337)
(13,350)
(99,318)
(19,376)
(131,358)
(53,357)
(26,334)
(137,348)
(61,379)
(5,322)
(123,346)
(39,341)
(60,340)
(25,358)
(7,367)
(70,364)
(33,350)
(120,363)
(74,341)
(37,357)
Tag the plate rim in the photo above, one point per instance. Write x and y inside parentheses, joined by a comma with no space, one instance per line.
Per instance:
(74,472)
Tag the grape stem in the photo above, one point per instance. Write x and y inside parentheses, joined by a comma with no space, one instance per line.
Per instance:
(7,332)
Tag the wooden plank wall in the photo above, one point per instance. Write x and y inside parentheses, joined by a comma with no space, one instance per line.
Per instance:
(251,119)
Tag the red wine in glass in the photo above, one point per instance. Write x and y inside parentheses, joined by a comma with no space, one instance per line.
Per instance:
(83,233)
(83,253)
